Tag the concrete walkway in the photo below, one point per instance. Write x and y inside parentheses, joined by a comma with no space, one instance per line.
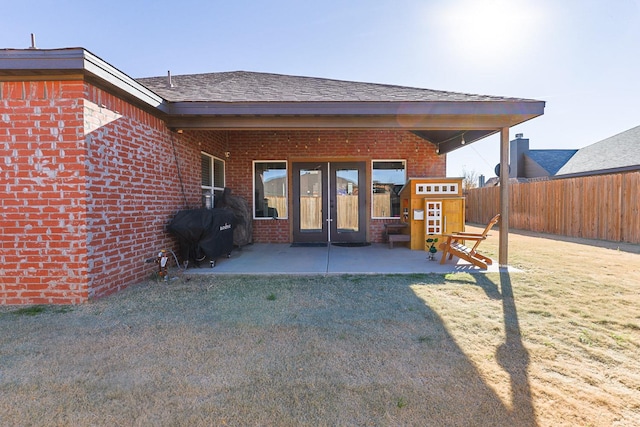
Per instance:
(275,258)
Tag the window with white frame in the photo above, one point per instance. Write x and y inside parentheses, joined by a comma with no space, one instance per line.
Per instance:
(270,189)
(212,179)
(387,177)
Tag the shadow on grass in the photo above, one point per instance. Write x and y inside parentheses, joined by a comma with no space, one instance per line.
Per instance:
(481,280)
(512,355)
(353,350)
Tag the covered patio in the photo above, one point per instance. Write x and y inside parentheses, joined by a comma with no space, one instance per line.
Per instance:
(114,158)
(376,258)
(245,102)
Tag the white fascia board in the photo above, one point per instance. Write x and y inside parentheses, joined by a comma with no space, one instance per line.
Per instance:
(70,60)
(526,108)
(106,72)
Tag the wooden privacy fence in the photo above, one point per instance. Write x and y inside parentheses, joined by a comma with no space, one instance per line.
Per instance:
(602,207)
(279,203)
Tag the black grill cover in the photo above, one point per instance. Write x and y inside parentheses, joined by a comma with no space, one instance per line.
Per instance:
(243,230)
(203,233)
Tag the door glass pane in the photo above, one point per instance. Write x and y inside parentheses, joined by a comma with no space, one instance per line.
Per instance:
(310,200)
(347,199)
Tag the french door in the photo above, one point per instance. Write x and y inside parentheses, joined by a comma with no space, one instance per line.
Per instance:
(329,200)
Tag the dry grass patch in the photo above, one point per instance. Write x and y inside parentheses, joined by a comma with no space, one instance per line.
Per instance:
(554,345)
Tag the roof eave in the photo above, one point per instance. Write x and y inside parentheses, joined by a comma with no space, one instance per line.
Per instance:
(354,121)
(476,119)
(515,107)
(621,169)
(38,63)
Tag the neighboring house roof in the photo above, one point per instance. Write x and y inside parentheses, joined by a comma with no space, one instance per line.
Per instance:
(617,152)
(550,160)
(244,86)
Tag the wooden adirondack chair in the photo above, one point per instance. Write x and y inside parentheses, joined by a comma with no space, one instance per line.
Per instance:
(455,245)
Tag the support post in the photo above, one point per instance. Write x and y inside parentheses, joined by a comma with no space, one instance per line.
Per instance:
(503,250)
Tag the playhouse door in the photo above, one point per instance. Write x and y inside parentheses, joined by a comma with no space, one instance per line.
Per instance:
(329,202)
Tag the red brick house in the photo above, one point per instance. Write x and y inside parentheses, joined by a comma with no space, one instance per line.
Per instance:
(95,163)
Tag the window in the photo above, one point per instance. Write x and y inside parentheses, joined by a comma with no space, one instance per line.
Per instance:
(270,189)
(212,179)
(388,177)
(437,188)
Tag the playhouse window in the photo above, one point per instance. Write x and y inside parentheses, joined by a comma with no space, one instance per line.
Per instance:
(212,179)
(270,189)
(387,177)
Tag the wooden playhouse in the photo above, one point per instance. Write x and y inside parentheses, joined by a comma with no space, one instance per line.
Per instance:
(429,208)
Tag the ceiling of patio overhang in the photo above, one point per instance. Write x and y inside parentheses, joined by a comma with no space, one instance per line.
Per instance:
(448,126)
(450,140)
(446,138)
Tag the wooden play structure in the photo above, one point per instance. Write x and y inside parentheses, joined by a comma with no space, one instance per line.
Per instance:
(429,208)
(454,244)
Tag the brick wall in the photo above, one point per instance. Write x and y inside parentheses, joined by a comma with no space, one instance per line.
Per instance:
(43,257)
(89,182)
(133,189)
(246,146)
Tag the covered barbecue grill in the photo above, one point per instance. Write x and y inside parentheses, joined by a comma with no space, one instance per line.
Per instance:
(243,228)
(203,233)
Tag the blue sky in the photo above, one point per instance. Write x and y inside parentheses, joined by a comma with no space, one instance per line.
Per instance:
(580,56)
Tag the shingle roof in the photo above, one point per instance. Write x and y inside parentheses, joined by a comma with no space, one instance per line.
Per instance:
(243,86)
(618,151)
(551,160)
(249,100)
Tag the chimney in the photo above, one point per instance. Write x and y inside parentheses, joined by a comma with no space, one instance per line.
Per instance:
(481,181)
(518,148)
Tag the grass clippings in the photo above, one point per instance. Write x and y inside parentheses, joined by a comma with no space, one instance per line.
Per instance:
(555,345)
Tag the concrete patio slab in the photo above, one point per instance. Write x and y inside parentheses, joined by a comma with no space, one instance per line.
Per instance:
(377,258)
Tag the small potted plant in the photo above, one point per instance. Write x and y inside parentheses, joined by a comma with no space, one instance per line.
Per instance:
(432,248)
